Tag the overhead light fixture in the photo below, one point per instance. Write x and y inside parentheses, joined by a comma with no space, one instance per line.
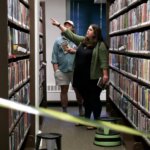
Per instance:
(101,11)
(99,1)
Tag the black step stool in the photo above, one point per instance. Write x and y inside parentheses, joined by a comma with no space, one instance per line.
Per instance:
(49,136)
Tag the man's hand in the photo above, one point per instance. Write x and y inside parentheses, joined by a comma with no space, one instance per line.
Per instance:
(71,50)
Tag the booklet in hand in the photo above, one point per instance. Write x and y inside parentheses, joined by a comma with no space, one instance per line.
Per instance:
(65,46)
(101,84)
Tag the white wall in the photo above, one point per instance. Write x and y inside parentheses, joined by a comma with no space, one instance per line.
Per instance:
(54,9)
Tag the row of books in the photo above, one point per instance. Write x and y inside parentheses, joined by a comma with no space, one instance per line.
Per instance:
(129,88)
(144,69)
(128,64)
(18,73)
(125,85)
(114,60)
(135,42)
(18,42)
(140,94)
(22,96)
(144,97)
(19,132)
(138,119)
(136,16)
(18,13)
(124,63)
(114,77)
(118,5)
(137,67)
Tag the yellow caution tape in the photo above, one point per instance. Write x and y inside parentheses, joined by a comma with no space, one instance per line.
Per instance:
(69,118)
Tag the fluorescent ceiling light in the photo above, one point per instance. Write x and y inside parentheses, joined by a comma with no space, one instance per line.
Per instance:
(99,1)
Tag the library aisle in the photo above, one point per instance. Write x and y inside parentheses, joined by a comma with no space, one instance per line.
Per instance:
(73,137)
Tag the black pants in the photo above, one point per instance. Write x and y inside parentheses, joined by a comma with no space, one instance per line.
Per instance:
(91,95)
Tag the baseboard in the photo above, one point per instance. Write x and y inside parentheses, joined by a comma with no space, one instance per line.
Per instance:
(70,103)
(53,93)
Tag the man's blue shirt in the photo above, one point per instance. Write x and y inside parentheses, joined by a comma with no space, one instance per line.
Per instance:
(64,60)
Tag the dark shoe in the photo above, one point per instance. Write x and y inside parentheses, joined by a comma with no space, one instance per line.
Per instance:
(64,109)
(90,128)
(81,112)
(78,124)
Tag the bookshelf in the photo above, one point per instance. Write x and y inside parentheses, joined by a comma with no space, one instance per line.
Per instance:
(42,61)
(16,78)
(129,61)
(4,130)
(42,56)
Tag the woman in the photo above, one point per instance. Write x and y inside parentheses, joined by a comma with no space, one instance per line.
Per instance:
(91,62)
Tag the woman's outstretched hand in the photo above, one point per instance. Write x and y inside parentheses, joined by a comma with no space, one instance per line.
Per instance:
(55,22)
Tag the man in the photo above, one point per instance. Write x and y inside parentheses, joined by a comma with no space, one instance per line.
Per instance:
(63,59)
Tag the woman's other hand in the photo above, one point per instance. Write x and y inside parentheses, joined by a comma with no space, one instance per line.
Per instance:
(105,79)
(105,76)
(57,24)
